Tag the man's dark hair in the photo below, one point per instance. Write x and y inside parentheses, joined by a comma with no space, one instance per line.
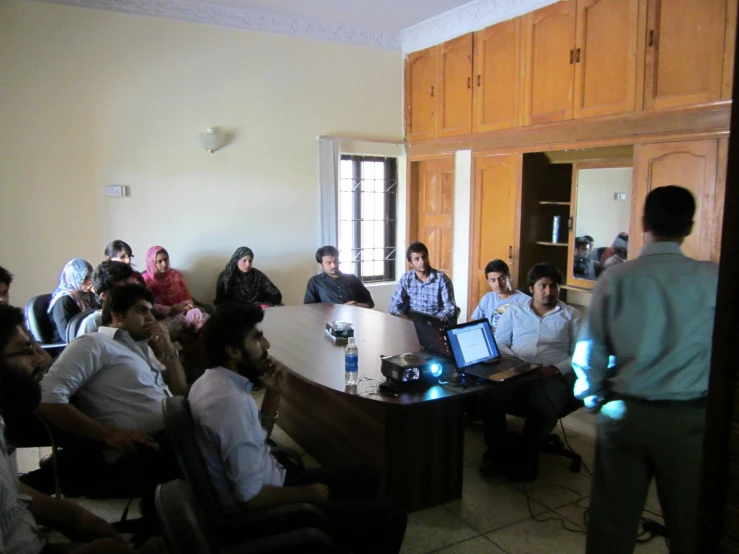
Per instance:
(10,318)
(590,239)
(541,271)
(326,251)
(497,266)
(5,276)
(117,246)
(228,327)
(669,211)
(581,241)
(122,298)
(416,248)
(108,273)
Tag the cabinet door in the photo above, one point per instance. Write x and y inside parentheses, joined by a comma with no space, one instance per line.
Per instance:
(496,92)
(685,52)
(605,57)
(690,164)
(420,89)
(454,101)
(549,63)
(496,194)
(436,211)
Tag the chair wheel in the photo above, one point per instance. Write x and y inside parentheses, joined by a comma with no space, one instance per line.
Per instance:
(576,466)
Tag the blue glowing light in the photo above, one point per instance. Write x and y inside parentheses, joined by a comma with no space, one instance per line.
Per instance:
(435,369)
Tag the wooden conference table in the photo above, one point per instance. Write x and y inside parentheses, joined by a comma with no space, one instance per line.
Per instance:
(415,440)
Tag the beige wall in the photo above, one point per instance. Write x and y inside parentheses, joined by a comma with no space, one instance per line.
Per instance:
(89,98)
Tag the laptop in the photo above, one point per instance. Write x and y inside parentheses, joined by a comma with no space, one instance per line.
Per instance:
(430,331)
(476,353)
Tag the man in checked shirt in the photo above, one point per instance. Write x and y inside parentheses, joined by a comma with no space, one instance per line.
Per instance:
(423,289)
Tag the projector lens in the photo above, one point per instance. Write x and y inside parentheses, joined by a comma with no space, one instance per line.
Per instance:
(435,369)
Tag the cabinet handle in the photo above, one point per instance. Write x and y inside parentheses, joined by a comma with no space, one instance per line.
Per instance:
(569,224)
(432,91)
(577,56)
(572,56)
(469,82)
(478,80)
(510,253)
(651,38)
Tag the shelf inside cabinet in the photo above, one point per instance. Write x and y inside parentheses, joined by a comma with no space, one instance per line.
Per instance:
(546,203)
(543,243)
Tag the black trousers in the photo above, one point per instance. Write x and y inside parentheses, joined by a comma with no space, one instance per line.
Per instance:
(359,522)
(541,401)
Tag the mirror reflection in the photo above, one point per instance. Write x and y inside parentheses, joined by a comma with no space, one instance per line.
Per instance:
(603,212)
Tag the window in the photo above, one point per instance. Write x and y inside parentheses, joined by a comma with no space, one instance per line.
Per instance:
(368,190)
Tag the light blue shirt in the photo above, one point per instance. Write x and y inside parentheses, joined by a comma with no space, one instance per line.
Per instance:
(492,306)
(655,316)
(91,323)
(548,340)
(231,438)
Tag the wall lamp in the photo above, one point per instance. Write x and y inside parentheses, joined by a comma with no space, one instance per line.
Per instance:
(211,140)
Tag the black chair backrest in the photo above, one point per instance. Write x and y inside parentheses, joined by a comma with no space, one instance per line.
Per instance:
(181,433)
(184,525)
(39,322)
(75,323)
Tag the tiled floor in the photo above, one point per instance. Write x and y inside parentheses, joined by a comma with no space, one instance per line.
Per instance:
(494,515)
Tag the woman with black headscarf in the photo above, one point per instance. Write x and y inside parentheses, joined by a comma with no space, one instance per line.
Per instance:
(242,282)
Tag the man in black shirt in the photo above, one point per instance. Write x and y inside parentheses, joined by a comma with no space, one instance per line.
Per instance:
(333,286)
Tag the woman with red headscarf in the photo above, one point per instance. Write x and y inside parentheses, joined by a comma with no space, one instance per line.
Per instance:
(171,295)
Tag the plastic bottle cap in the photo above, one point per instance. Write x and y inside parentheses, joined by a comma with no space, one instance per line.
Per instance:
(351,340)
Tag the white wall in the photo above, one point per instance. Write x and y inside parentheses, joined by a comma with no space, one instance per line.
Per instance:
(90,97)
(462,219)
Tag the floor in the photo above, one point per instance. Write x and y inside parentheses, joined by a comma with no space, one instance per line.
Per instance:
(494,516)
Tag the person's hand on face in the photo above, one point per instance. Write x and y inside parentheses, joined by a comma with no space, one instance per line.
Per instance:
(159,339)
(275,375)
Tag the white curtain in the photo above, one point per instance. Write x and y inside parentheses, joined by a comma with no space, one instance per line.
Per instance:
(328,177)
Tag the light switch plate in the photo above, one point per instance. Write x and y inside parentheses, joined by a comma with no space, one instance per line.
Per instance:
(115,191)
(619,196)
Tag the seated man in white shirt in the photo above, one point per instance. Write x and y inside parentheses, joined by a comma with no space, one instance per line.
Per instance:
(23,509)
(544,331)
(232,431)
(119,377)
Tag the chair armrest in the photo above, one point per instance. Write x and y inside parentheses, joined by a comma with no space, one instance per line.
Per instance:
(272,521)
(293,542)
(289,453)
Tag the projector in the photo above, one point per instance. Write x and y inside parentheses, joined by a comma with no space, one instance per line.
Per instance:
(411,367)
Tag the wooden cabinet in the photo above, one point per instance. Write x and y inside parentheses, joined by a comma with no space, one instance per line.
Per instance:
(454,100)
(549,66)
(496,90)
(689,164)
(496,193)
(685,52)
(436,211)
(420,91)
(605,57)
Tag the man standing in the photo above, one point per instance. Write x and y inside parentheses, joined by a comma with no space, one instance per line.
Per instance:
(543,330)
(423,289)
(643,363)
(333,286)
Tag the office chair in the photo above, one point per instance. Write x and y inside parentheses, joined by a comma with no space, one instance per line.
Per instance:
(254,523)
(188,530)
(41,326)
(73,327)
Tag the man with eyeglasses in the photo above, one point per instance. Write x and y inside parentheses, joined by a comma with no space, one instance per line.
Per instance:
(22,508)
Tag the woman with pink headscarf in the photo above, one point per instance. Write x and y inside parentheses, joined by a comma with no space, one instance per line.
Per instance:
(171,295)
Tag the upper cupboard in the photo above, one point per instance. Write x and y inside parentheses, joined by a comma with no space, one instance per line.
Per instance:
(571,60)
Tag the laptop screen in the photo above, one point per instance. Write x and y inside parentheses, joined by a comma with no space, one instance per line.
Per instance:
(430,332)
(472,343)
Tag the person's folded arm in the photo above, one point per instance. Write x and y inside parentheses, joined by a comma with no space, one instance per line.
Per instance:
(270,292)
(363,295)
(449,306)
(311,293)
(575,328)
(504,333)
(399,300)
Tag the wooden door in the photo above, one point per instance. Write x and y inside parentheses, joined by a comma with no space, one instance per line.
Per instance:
(454,101)
(605,57)
(436,211)
(685,52)
(420,90)
(497,75)
(690,164)
(496,196)
(549,69)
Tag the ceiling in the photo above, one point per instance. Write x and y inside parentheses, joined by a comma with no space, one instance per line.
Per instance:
(406,25)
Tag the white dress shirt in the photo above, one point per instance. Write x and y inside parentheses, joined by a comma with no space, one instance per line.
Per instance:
(650,327)
(547,340)
(231,438)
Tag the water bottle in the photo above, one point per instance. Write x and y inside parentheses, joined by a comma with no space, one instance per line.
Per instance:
(351,363)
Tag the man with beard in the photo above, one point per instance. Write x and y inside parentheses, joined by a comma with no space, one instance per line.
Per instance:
(543,330)
(231,432)
(21,507)
(119,376)
(333,286)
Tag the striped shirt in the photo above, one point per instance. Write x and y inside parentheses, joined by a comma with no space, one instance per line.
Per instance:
(433,297)
(19,533)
